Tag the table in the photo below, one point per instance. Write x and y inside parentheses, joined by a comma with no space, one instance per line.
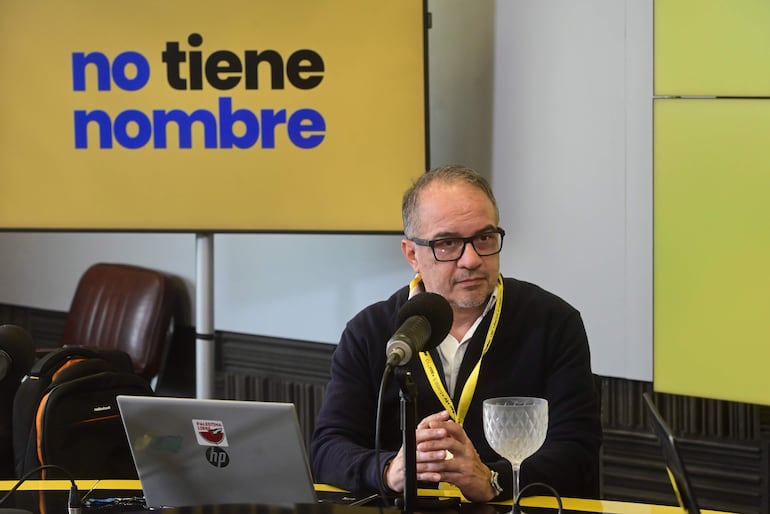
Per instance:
(50,497)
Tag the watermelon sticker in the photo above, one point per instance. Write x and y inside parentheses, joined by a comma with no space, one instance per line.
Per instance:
(210,432)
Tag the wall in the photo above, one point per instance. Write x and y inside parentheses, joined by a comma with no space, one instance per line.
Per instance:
(572,162)
(551,97)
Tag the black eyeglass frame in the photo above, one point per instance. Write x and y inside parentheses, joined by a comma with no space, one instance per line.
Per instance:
(465,240)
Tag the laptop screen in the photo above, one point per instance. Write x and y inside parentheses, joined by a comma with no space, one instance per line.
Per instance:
(677,473)
(212,452)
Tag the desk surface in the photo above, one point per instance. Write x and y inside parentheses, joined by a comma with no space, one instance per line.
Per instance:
(132,488)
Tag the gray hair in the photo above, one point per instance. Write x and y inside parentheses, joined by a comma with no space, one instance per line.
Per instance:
(446,174)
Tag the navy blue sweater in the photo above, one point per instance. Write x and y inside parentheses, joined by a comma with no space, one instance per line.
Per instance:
(540,349)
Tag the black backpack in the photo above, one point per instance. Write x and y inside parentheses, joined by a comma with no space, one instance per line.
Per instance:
(65,413)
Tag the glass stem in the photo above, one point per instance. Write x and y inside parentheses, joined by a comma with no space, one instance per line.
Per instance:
(516,467)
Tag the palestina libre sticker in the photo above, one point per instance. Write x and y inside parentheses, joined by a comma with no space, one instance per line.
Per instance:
(210,432)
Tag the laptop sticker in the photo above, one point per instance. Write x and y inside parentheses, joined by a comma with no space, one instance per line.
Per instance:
(210,432)
(161,443)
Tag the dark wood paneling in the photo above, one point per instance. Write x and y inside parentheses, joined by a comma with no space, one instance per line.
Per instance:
(46,327)
(725,475)
(272,356)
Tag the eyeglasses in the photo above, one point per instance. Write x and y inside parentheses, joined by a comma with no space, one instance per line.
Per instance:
(447,249)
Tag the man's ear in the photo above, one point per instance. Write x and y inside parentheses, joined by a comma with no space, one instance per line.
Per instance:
(408,249)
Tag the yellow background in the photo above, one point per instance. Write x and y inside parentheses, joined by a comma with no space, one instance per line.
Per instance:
(712,47)
(712,248)
(711,205)
(372,97)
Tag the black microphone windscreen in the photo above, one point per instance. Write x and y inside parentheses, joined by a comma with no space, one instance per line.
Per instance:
(436,309)
(18,344)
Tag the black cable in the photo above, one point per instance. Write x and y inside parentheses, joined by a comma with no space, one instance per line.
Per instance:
(383,385)
(517,507)
(74,505)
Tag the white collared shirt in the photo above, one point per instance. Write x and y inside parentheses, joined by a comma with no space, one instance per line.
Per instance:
(452,351)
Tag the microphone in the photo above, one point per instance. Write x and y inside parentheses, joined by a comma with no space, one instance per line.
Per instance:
(424,321)
(17,351)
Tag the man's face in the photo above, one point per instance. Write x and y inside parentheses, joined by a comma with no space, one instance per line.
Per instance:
(454,210)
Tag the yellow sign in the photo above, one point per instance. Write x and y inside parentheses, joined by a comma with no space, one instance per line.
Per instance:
(712,248)
(190,115)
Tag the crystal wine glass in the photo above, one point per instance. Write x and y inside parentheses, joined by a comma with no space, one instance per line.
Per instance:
(515,427)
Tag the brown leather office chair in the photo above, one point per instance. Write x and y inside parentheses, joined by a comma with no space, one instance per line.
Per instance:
(124,307)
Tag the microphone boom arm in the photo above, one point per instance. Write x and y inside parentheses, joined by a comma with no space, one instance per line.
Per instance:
(408,395)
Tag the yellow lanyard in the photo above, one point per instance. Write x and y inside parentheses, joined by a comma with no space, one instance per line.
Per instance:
(458,415)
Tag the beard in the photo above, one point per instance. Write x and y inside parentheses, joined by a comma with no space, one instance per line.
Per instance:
(460,291)
(472,299)
(472,303)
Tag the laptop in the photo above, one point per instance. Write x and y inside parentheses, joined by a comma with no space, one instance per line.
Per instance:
(677,473)
(211,452)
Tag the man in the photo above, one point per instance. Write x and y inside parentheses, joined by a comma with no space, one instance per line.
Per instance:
(528,342)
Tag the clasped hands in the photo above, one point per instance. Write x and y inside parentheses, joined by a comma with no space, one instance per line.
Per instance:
(444,454)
